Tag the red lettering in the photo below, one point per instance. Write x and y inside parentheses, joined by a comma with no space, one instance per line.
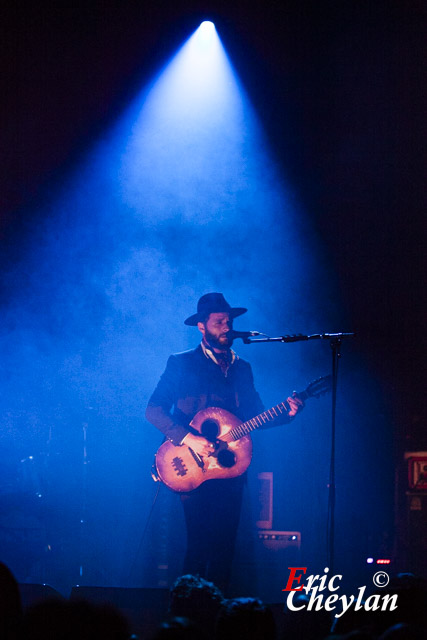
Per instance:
(293,577)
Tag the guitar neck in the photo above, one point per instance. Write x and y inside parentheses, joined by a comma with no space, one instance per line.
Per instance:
(270,415)
(314,389)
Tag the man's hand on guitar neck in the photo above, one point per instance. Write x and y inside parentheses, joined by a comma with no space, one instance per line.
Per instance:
(295,404)
(198,444)
(203,447)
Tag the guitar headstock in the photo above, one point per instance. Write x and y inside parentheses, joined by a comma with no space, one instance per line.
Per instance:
(319,387)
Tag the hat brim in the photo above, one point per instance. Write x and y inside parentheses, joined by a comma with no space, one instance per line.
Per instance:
(199,317)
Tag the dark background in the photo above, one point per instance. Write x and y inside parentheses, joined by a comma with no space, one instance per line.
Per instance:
(340,89)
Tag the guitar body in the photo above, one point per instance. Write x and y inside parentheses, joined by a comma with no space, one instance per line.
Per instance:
(181,469)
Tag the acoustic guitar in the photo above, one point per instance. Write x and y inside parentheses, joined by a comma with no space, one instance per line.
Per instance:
(182,469)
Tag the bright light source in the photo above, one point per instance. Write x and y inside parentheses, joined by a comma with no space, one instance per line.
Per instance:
(206,32)
(384,561)
(369,560)
(207,26)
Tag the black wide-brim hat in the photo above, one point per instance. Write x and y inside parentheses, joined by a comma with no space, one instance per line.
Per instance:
(213,303)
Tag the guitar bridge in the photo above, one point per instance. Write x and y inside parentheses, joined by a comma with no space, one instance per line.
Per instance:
(179,466)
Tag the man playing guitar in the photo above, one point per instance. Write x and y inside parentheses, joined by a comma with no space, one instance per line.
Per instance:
(211,375)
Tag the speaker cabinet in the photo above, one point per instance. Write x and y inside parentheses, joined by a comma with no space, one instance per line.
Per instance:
(276,551)
(416,526)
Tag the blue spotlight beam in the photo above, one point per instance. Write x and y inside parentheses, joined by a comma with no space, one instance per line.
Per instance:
(182,197)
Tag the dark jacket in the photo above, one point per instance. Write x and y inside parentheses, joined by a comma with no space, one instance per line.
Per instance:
(191,382)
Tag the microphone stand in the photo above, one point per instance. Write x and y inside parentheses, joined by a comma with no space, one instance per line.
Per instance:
(335,344)
(295,337)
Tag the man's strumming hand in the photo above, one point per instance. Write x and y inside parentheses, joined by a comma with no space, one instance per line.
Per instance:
(198,444)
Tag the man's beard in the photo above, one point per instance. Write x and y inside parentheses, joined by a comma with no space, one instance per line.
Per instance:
(216,343)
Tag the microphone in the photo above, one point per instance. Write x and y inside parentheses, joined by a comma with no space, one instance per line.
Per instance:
(244,335)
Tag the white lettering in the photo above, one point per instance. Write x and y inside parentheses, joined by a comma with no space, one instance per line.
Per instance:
(387,599)
(359,602)
(290,604)
(345,605)
(318,601)
(323,580)
(331,583)
(315,600)
(330,601)
(310,581)
(375,600)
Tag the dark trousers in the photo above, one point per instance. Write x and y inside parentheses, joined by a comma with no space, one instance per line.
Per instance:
(212,513)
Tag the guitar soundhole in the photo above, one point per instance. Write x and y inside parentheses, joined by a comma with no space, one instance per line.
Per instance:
(210,430)
(226,458)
